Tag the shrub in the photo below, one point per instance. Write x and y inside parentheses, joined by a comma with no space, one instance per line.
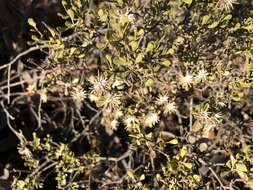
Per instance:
(162,78)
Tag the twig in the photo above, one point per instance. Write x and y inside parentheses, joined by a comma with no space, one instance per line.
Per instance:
(39,112)
(6,173)
(191,105)
(93,119)
(8,83)
(8,117)
(218,179)
(18,83)
(46,168)
(8,65)
(23,54)
(121,179)
(123,156)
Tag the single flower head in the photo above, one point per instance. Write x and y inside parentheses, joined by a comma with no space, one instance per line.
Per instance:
(131,120)
(162,99)
(185,81)
(78,94)
(114,124)
(151,119)
(227,4)
(170,108)
(204,115)
(99,84)
(112,101)
(202,75)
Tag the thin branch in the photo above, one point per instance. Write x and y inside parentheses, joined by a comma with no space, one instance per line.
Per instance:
(218,179)
(191,106)
(123,156)
(8,83)
(23,54)
(18,83)
(8,65)
(8,117)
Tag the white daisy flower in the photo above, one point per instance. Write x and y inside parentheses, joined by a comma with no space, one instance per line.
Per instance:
(129,121)
(78,94)
(185,81)
(118,114)
(170,108)
(99,84)
(202,75)
(43,97)
(126,17)
(112,101)
(227,4)
(204,115)
(114,124)
(151,119)
(162,99)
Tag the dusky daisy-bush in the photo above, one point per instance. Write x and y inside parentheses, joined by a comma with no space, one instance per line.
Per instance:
(165,74)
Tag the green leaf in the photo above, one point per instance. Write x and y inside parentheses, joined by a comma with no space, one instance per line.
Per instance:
(228,17)
(179,40)
(237,96)
(32,23)
(133,45)
(197,178)
(142,177)
(149,82)
(213,25)
(149,135)
(68,24)
(120,2)
(109,58)
(241,168)
(140,32)
(150,47)
(171,51)
(249,27)
(166,63)
(102,15)
(237,26)
(130,173)
(249,184)
(71,14)
(119,61)
(79,3)
(139,58)
(188,165)
(187,1)
(231,163)
(118,29)
(173,141)
(205,19)
(72,50)
(100,12)
(64,3)
(35,38)
(183,152)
